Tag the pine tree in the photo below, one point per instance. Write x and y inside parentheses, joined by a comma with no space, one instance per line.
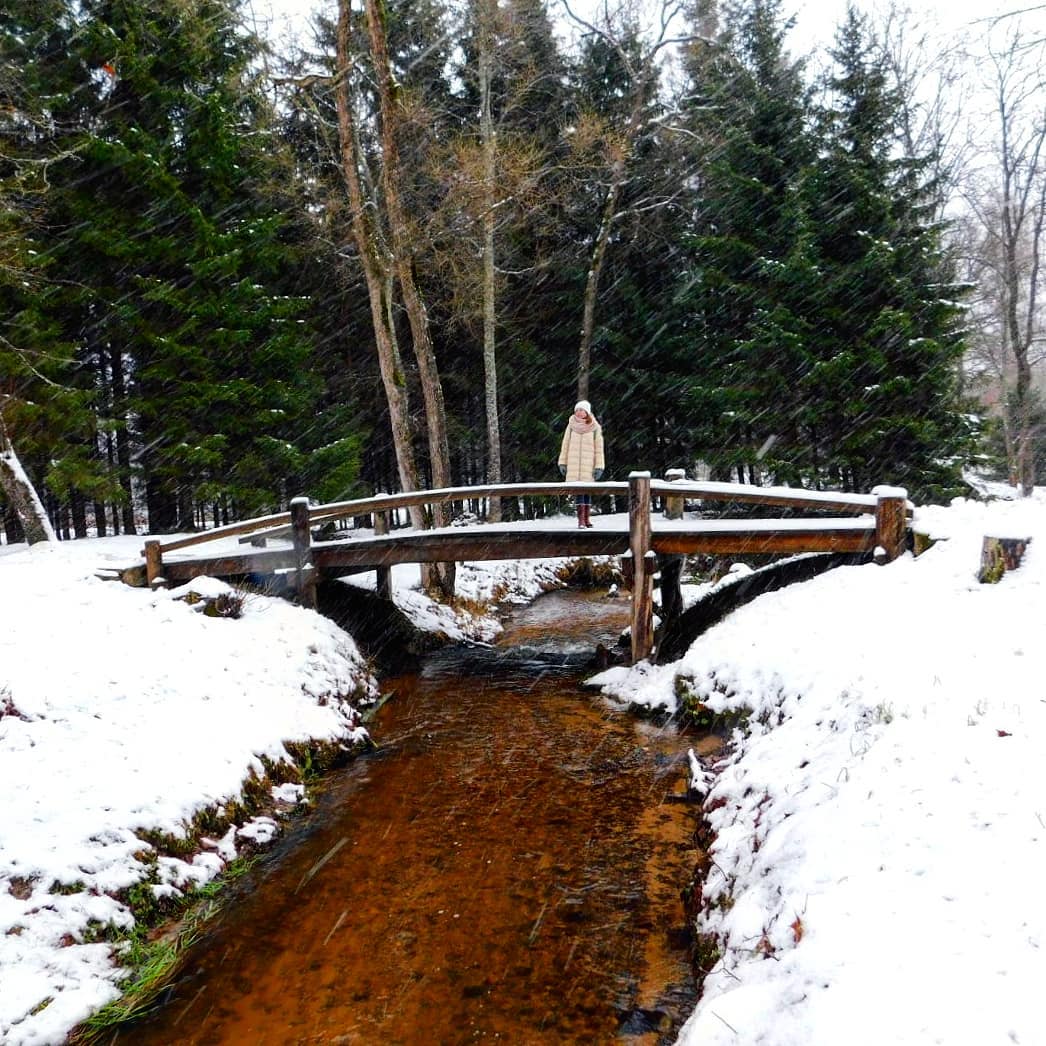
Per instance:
(748,110)
(171,233)
(883,395)
(44,398)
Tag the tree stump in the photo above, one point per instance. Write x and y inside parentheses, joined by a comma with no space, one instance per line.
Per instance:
(999,555)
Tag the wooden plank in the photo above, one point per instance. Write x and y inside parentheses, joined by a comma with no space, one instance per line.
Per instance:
(781,496)
(266,561)
(380,502)
(457,546)
(153,563)
(231,530)
(891,525)
(383,575)
(741,542)
(674,502)
(737,492)
(264,535)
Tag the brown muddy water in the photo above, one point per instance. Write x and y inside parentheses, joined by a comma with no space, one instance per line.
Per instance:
(506,867)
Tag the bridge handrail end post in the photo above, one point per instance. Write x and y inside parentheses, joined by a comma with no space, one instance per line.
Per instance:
(301,535)
(891,522)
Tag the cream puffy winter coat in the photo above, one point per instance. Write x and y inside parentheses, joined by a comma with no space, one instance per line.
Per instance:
(582,453)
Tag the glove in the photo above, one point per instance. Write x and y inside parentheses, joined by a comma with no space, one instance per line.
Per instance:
(562,470)
(597,474)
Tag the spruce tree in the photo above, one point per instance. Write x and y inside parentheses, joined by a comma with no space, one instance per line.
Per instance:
(882,396)
(46,395)
(748,110)
(168,226)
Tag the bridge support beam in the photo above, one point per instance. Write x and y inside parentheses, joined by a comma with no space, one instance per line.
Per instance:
(643,565)
(670,565)
(301,534)
(384,574)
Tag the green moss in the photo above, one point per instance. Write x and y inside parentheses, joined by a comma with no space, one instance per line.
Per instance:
(67,889)
(706,952)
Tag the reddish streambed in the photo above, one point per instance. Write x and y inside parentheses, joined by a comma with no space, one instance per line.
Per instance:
(505,868)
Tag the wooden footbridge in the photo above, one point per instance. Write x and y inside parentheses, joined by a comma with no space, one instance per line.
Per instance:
(854,523)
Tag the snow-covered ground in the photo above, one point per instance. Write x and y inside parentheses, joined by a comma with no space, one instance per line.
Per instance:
(124,713)
(876,876)
(880,816)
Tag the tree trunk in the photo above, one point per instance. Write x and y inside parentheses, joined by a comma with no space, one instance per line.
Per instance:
(490,370)
(618,171)
(78,510)
(403,260)
(376,271)
(13,530)
(21,494)
(123,439)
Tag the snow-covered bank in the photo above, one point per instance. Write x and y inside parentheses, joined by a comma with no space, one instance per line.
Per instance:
(880,821)
(124,714)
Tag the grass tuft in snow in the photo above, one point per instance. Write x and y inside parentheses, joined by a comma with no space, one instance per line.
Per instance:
(152,961)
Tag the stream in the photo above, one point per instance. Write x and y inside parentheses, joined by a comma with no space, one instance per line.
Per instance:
(505,867)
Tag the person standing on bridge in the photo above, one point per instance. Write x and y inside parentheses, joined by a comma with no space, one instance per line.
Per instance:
(581,456)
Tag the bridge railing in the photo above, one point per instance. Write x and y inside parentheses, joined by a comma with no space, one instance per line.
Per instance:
(888,505)
(380,503)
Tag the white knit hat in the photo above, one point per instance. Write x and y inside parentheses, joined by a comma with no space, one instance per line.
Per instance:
(583,405)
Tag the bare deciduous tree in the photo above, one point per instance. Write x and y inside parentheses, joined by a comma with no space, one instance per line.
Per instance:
(1008,201)
(642,70)
(377,266)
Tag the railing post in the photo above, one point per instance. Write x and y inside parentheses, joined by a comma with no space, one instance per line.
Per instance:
(384,574)
(642,565)
(674,505)
(891,522)
(154,565)
(304,576)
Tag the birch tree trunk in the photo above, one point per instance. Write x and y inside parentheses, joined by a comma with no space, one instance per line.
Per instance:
(376,271)
(403,262)
(490,369)
(21,494)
